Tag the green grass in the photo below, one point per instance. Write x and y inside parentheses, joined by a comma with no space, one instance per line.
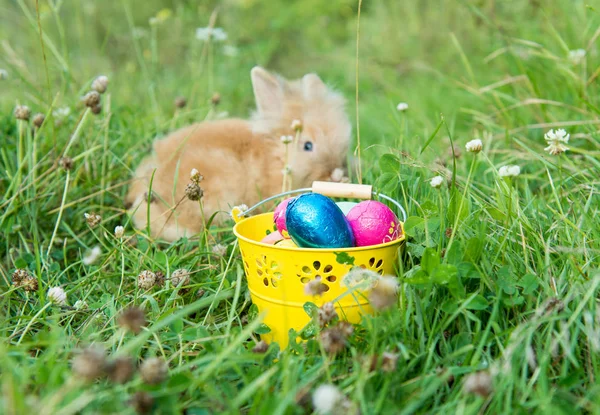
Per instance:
(500,276)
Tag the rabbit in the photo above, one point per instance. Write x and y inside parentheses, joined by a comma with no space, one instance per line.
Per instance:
(242,161)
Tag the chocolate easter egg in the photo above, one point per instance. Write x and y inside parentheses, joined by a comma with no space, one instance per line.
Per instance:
(279,216)
(315,221)
(373,223)
(286,243)
(346,206)
(272,238)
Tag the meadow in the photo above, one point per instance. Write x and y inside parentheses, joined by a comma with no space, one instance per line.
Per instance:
(499,280)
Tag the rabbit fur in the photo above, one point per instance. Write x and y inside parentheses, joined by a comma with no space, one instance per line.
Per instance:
(242,160)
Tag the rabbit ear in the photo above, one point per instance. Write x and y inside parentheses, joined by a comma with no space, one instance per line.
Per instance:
(313,86)
(267,90)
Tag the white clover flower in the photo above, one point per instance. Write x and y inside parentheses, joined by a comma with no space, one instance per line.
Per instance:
(3,74)
(576,56)
(436,182)
(509,171)
(219,250)
(474,146)
(296,125)
(337,174)
(242,208)
(195,176)
(92,256)
(230,51)
(119,231)
(556,141)
(402,106)
(57,295)
(80,305)
(326,398)
(216,33)
(286,139)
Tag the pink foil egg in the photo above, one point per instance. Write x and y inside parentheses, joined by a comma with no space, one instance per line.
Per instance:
(279,217)
(373,223)
(272,238)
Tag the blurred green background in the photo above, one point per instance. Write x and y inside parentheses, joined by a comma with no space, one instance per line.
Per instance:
(434,56)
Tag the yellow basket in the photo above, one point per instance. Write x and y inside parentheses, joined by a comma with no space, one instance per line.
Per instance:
(276,274)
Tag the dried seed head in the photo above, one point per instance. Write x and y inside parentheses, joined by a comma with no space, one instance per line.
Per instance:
(479,383)
(57,295)
(132,319)
(215,99)
(260,347)
(200,293)
(91,99)
(154,370)
(180,277)
(315,287)
(146,279)
(100,84)
(120,370)
(89,364)
(326,314)
(30,284)
(22,112)
(92,219)
(66,163)
(160,279)
(194,192)
(448,232)
(334,339)
(19,275)
(389,362)
(384,293)
(142,402)
(38,120)
(180,102)
(97,109)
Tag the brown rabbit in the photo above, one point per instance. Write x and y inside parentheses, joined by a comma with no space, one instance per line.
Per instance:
(242,161)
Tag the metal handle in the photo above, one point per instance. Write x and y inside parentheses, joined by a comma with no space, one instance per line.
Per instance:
(331,189)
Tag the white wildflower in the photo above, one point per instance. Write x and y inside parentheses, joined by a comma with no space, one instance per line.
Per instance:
(509,171)
(576,56)
(556,141)
(296,125)
(3,74)
(326,398)
(241,208)
(215,33)
(61,114)
(119,231)
(286,139)
(359,275)
(384,293)
(80,305)
(337,174)
(230,51)
(57,295)
(195,176)
(474,146)
(478,383)
(92,256)
(219,250)
(436,182)
(402,106)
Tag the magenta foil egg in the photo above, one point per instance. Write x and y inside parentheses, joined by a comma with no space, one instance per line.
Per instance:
(373,223)
(279,217)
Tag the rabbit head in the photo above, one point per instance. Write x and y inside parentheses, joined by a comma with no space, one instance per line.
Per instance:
(322,148)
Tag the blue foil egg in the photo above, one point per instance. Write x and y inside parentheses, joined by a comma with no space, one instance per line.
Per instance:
(315,221)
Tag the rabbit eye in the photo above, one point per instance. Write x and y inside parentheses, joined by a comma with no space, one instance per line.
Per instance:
(308,146)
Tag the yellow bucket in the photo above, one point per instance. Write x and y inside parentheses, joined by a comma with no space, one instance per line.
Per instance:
(277,274)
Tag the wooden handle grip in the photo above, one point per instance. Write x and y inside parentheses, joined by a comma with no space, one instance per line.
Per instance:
(347,190)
